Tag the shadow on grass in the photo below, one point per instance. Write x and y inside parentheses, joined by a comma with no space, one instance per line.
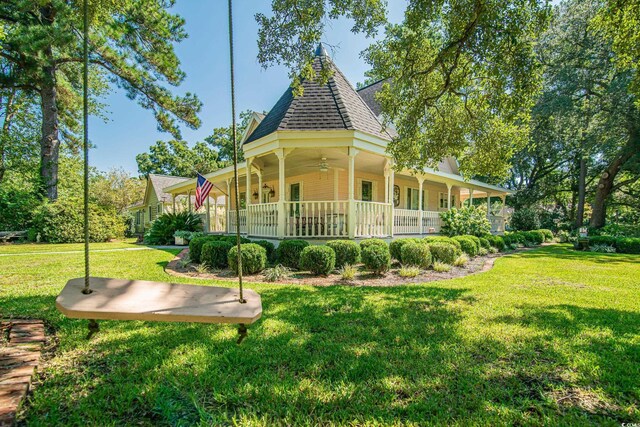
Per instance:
(324,355)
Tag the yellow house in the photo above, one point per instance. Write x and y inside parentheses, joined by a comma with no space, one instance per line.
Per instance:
(317,167)
(155,201)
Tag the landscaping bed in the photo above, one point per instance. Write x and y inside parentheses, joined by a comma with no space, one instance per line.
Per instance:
(362,278)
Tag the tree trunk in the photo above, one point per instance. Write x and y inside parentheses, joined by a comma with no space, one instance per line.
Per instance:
(582,178)
(50,143)
(607,178)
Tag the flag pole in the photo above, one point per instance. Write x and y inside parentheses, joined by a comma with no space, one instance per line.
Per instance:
(235,155)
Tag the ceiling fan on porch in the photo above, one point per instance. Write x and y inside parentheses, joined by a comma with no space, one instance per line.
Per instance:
(322,164)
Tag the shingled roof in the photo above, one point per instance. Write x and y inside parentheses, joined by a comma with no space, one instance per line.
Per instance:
(331,106)
(368,93)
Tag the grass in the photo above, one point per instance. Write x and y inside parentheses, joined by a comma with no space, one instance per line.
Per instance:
(548,336)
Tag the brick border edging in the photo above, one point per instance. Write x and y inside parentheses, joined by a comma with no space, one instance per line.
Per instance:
(19,359)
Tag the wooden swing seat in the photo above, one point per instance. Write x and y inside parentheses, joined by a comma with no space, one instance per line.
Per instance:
(120,299)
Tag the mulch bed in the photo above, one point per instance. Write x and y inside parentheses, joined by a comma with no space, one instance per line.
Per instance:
(363,278)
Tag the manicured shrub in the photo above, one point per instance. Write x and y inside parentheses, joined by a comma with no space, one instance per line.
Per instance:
(469,246)
(628,245)
(376,258)
(445,239)
(215,253)
(234,239)
(196,244)
(525,219)
(417,254)
(475,239)
(484,243)
(538,236)
(548,234)
(395,247)
(320,259)
(466,220)
(444,252)
(62,221)
(165,226)
(368,242)
(289,252)
(347,252)
(269,247)
(254,258)
(495,241)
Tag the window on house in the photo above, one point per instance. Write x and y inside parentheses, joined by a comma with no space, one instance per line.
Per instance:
(367,191)
(159,208)
(138,218)
(443,200)
(413,199)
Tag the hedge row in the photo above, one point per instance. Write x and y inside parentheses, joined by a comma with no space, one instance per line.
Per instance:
(625,245)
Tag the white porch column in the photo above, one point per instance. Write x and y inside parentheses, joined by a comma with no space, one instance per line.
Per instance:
(488,205)
(503,198)
(259,187)
(351,221)
(281,192)
(420,184)
(390,201)
(207,222)
(336,188)
(215,213)
(470,196)
(227,208)
(248,195)
(448,195)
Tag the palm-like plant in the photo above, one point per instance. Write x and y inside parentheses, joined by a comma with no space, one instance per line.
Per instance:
(163,228)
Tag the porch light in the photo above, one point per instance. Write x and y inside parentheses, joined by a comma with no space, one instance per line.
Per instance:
(255,195)
(268,190)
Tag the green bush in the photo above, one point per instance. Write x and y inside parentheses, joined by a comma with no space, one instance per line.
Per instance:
(444,252)
(368,242)
(466,220)
(628,245)
(17,207)
(165,226)
(395,247)
(234,239)
(443,239)
(417,254)
(289,252)
(320,260)
(268,246)
(215,253)
(525,219)
(347,252)
(469,246)
(548,234)
(603,240)
(254,258)
(538,236)
(485,243)
(62,221)
(495,241)
(195,246)
(376,258)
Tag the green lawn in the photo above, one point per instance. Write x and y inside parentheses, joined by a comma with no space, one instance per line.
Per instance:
(549,336)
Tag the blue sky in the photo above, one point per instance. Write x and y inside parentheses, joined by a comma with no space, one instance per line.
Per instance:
(130,129)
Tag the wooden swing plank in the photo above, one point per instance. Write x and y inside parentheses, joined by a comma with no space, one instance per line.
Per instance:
(121,299)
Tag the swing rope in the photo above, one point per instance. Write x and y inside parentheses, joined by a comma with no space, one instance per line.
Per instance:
(85,113)
(235,156)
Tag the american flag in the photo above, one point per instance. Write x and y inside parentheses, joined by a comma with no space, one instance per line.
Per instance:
(203,187)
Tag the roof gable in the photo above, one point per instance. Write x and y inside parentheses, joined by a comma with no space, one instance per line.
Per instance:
(334,105)
(157,184)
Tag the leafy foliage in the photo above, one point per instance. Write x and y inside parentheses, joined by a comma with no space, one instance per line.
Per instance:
(318,259)
(276,273)
(215,253)
(469,246)
(62,221)
(444,252)
(466,220)
(165,226)
(289,252)
(416,254)
(254,258)
(525,219)
(347,272)
(395,247)
(269,247)
(376,258)
(347,252)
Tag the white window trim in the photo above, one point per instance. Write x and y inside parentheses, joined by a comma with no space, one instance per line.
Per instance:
(425,197)
(288,191)
(374,189)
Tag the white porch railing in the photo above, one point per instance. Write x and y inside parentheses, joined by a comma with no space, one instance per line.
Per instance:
(243,221)
(497,223)
(373,219)
(406,221)
(431,222)
(263,220)
(316,218)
